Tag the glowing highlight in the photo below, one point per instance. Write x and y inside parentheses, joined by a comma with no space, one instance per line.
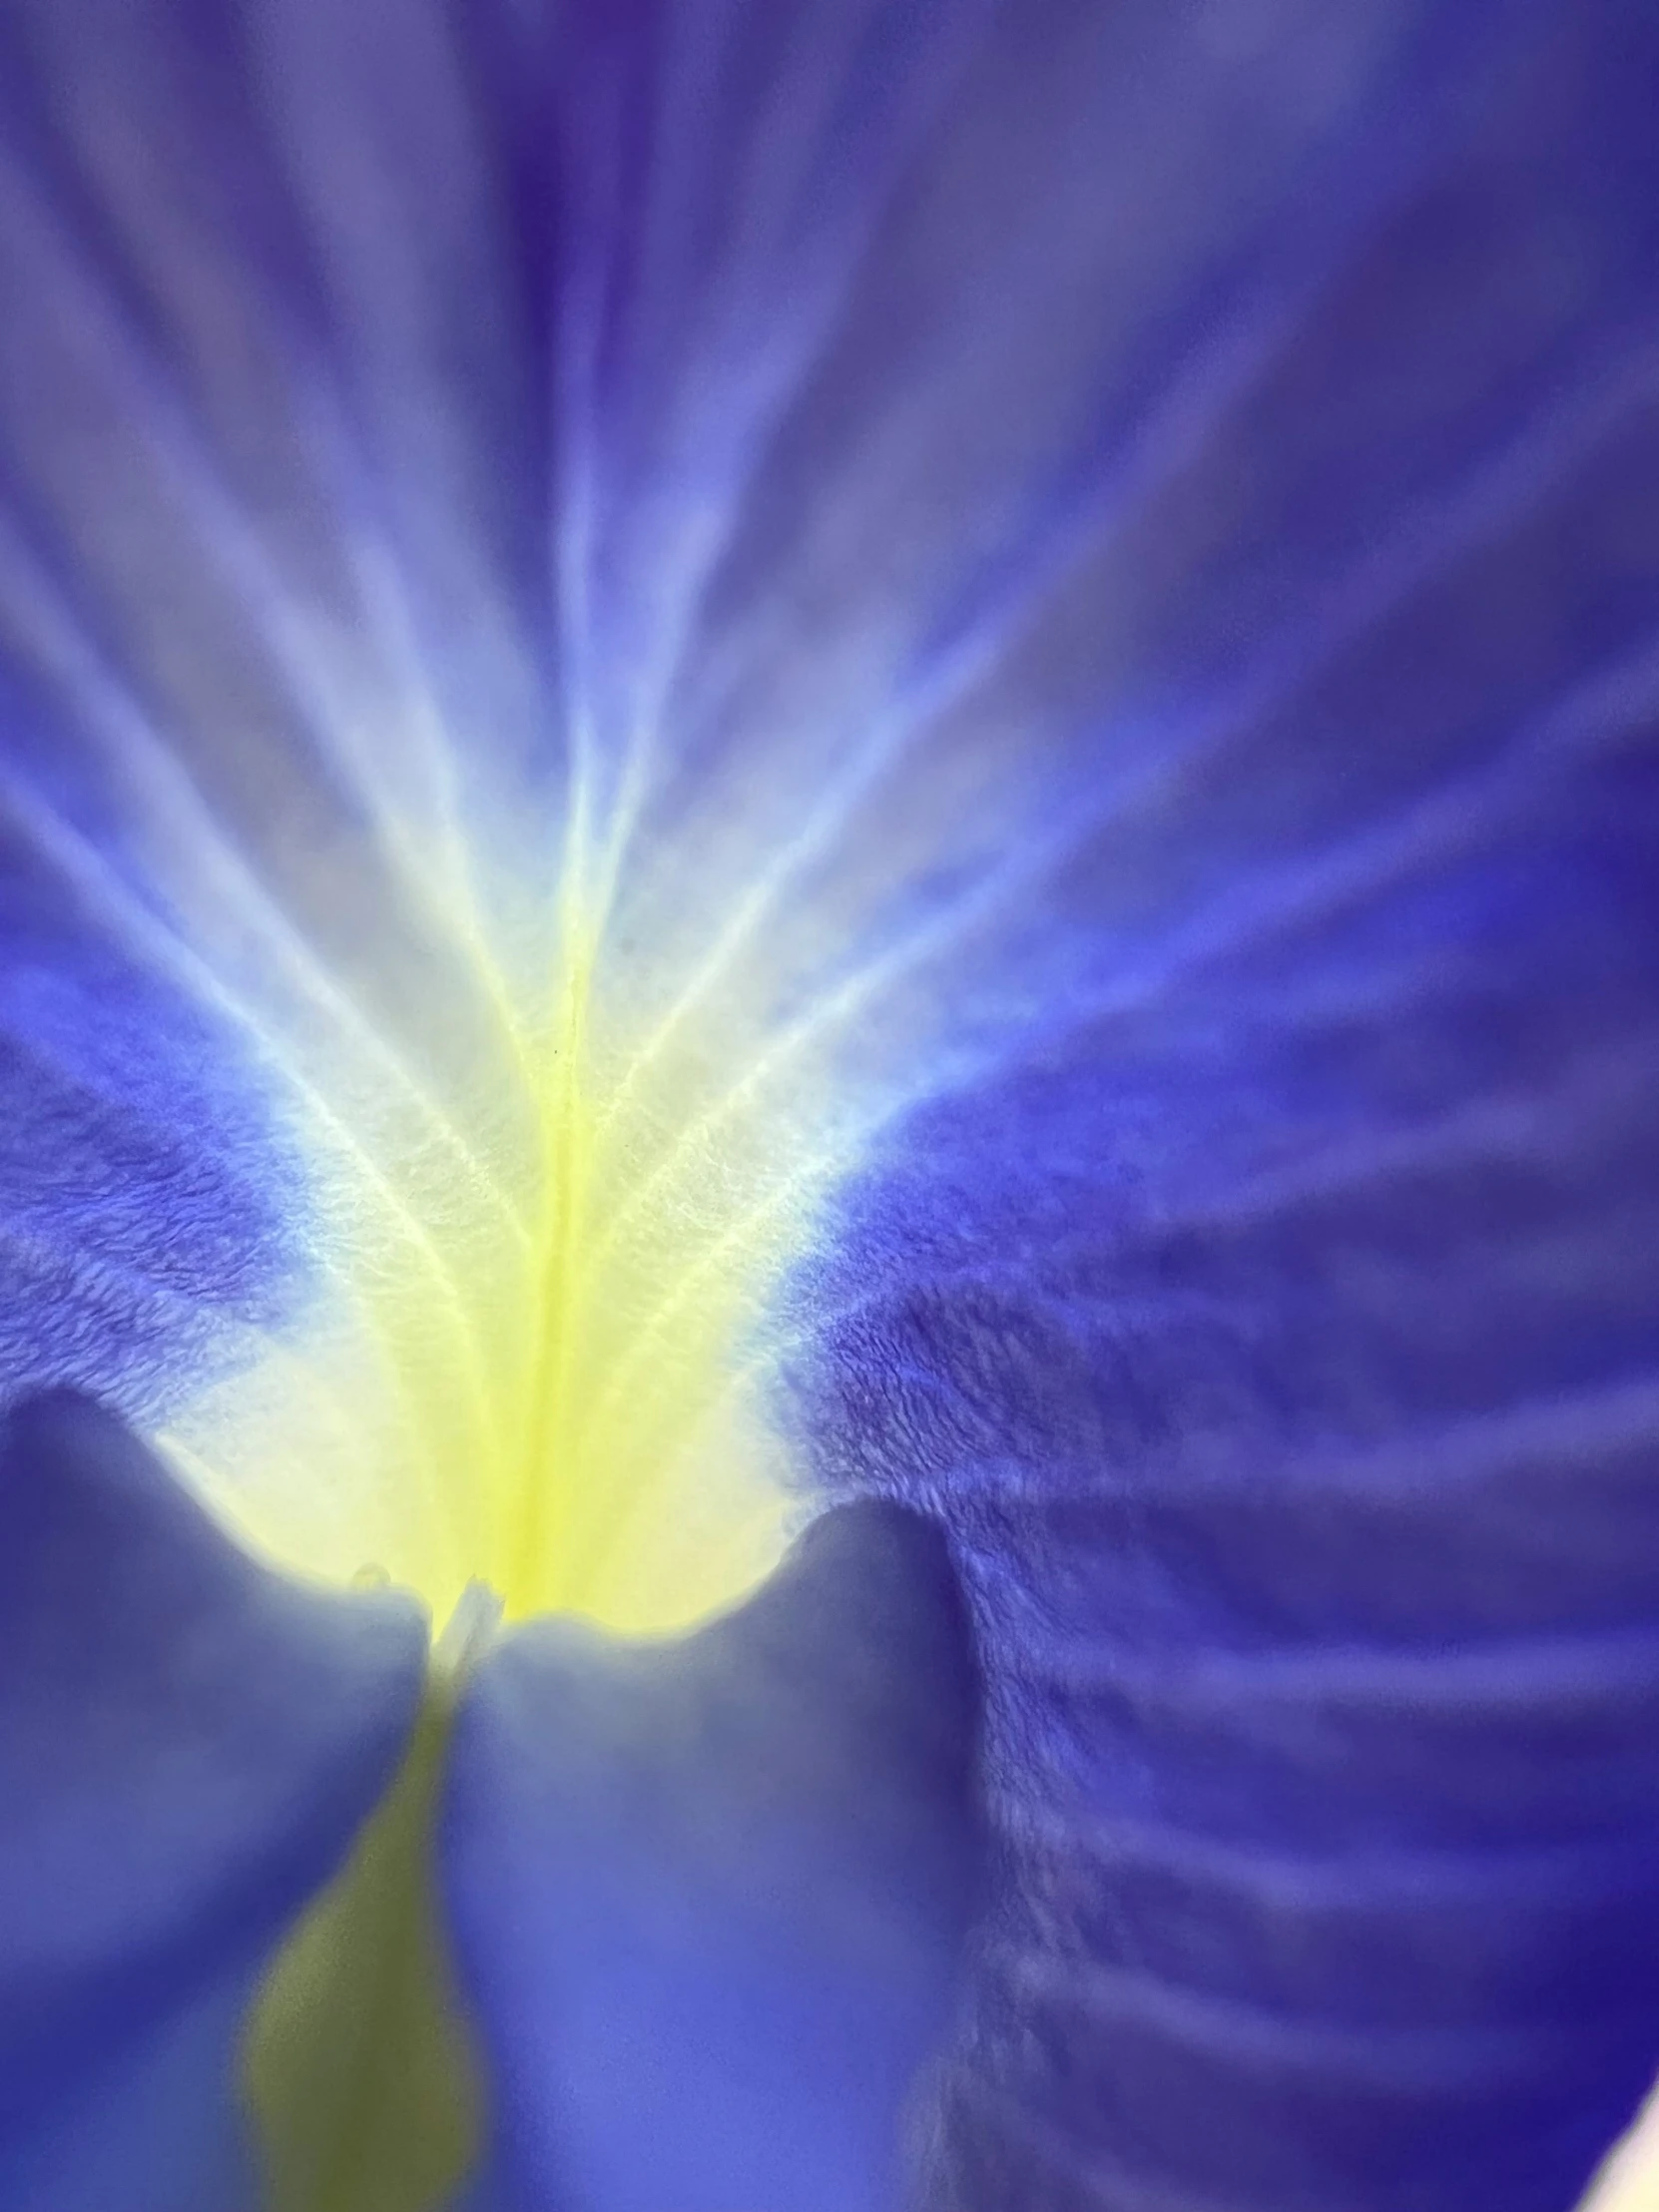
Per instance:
(536,1361)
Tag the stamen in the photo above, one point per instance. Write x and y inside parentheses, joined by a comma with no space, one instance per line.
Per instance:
(465,1636)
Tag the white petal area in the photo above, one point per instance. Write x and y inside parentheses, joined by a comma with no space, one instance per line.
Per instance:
(1629,2181)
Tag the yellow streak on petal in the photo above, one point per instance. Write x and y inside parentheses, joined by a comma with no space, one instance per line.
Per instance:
(545,1377)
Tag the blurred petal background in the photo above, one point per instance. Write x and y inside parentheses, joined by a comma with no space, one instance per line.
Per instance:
(188,1744)
(767,755)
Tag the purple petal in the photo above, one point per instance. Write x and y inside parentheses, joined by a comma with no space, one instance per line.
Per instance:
(188,1745)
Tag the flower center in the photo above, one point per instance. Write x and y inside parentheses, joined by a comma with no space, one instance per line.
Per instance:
(532,1356)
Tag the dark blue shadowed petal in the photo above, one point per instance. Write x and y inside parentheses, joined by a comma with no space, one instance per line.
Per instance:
(188,1744)
(710,1895)
(1268,1302)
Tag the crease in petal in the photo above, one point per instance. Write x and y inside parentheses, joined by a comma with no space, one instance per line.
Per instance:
(710,1894)
(357,2060)
(190,1744)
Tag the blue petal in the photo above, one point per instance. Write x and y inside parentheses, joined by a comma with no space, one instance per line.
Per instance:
(1267,1301)
(1103,610)
(710,1895)
(257,599)
(188,1745)
(147,1226)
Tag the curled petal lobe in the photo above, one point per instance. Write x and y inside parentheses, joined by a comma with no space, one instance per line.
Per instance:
(188,1745)
(711,1897)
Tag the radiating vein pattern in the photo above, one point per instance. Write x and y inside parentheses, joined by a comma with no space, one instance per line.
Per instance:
(751,753)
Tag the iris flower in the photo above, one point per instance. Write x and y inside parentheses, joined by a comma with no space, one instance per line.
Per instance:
(829,1027)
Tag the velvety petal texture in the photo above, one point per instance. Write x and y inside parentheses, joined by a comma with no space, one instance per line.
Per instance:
(147,1235)
(711,1897)
(846,750)
(1273,1320)
(188,1743)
